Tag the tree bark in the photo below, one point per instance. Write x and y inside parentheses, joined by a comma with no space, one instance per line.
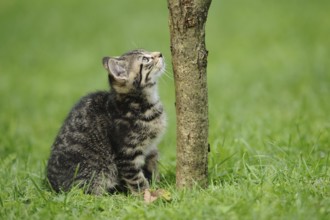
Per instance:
(187,20)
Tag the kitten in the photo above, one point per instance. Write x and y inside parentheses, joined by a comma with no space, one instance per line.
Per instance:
(108,141)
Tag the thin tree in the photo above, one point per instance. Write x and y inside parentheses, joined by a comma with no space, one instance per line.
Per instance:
(187,20)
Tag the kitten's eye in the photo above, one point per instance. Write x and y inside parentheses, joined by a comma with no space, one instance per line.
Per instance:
(146,59)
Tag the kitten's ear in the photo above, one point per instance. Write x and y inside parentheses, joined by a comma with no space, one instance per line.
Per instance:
(116,68)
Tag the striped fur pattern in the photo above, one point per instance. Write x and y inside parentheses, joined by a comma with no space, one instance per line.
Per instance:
(109,140)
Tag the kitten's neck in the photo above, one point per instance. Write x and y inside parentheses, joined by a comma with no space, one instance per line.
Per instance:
(151,94)
(145,96)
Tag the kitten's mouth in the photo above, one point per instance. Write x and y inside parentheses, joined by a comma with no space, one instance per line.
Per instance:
(161,65)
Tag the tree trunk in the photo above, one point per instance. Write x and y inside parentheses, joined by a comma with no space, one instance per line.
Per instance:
(189,59)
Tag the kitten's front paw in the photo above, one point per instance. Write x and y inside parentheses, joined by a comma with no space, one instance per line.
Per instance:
(139,187)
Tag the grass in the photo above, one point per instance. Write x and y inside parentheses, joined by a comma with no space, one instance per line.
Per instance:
(269,89)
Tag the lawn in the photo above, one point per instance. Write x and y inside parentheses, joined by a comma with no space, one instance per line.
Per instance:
(269,106)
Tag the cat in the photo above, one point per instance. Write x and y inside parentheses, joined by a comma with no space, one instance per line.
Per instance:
(108,142)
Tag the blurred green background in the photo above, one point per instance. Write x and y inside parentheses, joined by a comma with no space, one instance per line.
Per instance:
(268,64)
(268,79)
(51,55)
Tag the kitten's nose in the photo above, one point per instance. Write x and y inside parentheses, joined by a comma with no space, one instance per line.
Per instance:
(157,54)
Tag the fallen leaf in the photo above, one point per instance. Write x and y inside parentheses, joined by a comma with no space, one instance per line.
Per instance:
(151,196)
(166,195)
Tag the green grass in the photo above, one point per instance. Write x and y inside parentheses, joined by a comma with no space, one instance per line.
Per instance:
(269,106)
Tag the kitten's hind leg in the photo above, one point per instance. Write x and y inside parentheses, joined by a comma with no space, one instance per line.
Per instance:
(98,182)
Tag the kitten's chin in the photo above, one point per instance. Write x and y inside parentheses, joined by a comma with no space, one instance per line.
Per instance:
(159,72)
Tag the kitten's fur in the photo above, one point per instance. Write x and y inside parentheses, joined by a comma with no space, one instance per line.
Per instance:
(108,141)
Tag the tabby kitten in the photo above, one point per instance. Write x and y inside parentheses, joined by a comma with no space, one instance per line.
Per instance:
(108,141)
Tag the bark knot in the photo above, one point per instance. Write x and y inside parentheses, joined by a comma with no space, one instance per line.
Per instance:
(190,20)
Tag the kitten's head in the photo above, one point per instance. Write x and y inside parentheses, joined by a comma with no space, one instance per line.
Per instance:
(135,70)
